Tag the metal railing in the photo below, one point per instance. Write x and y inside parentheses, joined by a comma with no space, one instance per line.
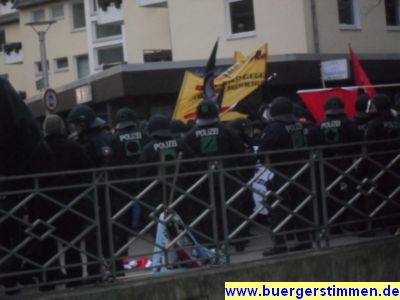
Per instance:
(83,227)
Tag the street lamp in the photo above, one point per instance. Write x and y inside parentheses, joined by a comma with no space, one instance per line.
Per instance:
(42,44)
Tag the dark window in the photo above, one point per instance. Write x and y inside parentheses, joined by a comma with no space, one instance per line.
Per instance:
(78,11)
(61,63)
(346,12)
(110,55)
(108,30)
(242,16)
(82,65)
(392,8)
(157,55)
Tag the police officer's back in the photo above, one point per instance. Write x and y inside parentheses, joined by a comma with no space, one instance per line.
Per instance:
(284,132)
(211,138)
(164,147)
(129,139)
(92,135)
(336,127)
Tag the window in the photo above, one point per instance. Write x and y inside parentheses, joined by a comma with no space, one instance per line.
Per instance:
(38,67)
(61,64)
(78,15)
(38,15)
(348,14)
(157,55)
(57,12)
(108,30)
(392,8)
(2,39)
(240,17)
(110,55)
(82,66)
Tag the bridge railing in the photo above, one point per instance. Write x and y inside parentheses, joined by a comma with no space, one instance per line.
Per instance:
(89,226)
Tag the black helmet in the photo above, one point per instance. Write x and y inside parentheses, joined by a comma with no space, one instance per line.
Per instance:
(125,118)
(333,106)
(381,103)
(282,109)
(207,113)
(159,126)
(84,114)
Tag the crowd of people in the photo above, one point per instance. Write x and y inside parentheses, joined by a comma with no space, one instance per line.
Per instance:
(85,141)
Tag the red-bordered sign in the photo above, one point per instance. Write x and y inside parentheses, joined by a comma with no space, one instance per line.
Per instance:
(50,100)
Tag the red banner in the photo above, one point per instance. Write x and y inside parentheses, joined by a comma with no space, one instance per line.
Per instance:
(360,77)
(315,100)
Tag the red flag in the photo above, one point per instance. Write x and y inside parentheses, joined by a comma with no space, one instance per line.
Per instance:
(359,75)
(315,100)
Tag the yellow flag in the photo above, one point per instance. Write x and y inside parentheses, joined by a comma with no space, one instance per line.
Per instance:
(190,95)
(238,56)
(243,78)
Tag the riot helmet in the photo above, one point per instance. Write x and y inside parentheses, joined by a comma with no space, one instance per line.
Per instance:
(159,126)
(282,110)
(83,114)
(333,106)
(207,113)
(381,103)
(125,118)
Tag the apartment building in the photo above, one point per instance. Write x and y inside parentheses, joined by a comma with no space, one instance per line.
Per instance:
(134,52)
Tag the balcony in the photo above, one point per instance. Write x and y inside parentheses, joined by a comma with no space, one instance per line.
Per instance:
(109,12)
(152,3)
(13,53)
(7,7)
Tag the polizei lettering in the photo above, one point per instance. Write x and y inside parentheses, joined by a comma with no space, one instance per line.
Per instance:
(207,132)
(130,136)
(331,124)
(165,145)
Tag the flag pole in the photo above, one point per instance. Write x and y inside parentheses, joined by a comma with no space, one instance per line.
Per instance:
(355,87)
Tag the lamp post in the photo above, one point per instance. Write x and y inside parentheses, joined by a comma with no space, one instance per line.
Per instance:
(42,43)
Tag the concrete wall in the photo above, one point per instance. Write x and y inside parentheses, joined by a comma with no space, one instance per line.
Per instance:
(195,26)
(373,36)
(146,28)
(15,72)
(371,261)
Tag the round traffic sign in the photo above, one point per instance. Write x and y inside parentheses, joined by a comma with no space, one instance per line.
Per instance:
(50,100)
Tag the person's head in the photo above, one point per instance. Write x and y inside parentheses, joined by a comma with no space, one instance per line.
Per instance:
(207,113)
(333,106)
(159,127)
(282,110)
(380,103)
(125,118)
(54,125)
(83,118)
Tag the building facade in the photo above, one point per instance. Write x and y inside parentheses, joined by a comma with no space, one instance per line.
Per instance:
(115,41)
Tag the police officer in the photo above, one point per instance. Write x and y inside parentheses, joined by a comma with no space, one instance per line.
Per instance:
(92,134)
(384,126)
(128,144)
(337,129)
(97,141)
(164,147)
(285,132)
(129,139)
(209,138)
